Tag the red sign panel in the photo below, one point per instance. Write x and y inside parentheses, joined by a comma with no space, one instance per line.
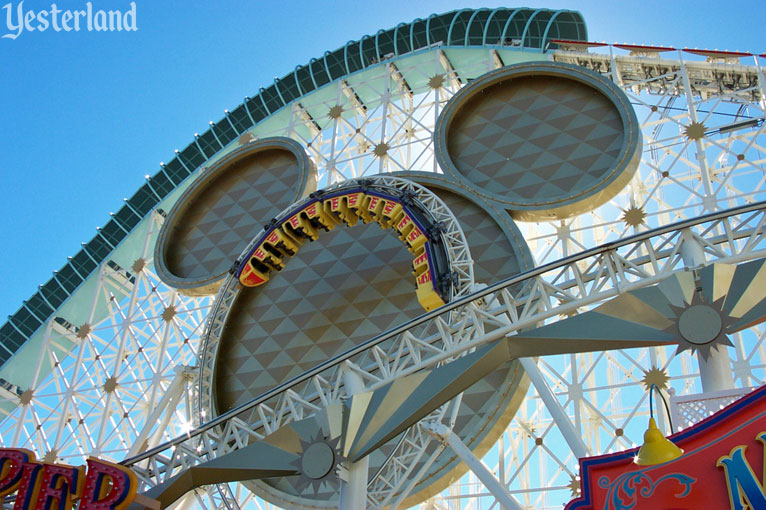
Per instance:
(722,468)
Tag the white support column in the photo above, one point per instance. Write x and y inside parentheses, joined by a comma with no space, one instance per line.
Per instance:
(353,475)
(558,414)
(715,371)
(498,490)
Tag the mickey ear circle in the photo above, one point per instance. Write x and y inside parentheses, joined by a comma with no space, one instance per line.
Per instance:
(215,218)
(543,140)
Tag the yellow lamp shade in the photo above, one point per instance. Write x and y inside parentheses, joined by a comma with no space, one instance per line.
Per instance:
(656,448)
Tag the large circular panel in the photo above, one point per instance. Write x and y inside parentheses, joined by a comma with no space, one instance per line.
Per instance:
(342,289)
(544,140)
(219,213)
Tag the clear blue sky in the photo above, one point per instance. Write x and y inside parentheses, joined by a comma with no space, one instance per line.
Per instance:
(85,116)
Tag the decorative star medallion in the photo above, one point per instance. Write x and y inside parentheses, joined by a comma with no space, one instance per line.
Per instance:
(633,216)
(436,81)
(381,149)
(335,111)
(657,377)
(701,325)
(695,131)
(318,462)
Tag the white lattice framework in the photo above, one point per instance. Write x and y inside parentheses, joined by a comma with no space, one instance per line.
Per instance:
(687,410)
(124,382)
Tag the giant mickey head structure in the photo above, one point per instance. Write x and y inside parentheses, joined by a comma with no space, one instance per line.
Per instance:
(307,274)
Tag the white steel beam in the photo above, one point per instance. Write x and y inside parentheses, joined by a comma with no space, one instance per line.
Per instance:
(709,200)
(308,120)
(398,77)
(500,492)
(452,76)
(166,405)
(352,97)
(557,412)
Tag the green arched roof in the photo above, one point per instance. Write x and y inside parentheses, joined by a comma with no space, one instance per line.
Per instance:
(523,28)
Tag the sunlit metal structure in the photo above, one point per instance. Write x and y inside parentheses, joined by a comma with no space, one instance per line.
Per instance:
(106,360)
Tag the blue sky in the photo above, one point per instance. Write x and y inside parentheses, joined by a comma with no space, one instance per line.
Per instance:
(85,115)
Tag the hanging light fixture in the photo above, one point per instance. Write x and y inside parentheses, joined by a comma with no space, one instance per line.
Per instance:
(656,449)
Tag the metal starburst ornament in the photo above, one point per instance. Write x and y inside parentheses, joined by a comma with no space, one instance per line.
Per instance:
(634,216)
(695,131)
(694,310)
(656,376)
(575,487)
(318,462)
(701,325)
